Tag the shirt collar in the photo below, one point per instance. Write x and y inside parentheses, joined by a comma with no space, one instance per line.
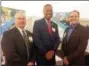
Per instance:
(47,20)
(20,30)
(74,25)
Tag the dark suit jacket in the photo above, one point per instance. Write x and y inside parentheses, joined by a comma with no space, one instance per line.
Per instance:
(14,48)
(74,48)
(43,41)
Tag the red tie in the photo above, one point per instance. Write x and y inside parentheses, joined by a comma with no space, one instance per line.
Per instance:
(49,28)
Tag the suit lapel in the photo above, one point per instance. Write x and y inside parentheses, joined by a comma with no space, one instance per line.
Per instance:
(73,32)
(45,26)
(21,42)
(19,35)
(53,27)
(65,36)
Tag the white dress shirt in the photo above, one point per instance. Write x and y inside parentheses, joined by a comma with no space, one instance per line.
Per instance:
(20,30)
(87,48)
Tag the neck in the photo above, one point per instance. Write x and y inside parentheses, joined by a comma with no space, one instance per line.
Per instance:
(20,28)
(72,23)
(47,19)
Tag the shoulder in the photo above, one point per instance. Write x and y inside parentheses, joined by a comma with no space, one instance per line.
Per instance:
(39,21)
(6,33)
(10,32)
(82,28)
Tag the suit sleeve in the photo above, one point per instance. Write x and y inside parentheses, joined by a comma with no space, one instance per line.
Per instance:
(62,47)
(37,38)
(57,39)
(8,48)
(81,47)
(32,51)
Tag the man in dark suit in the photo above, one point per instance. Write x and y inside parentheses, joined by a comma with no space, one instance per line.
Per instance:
(87,52)
(17,44)
(74,42)
(46,38)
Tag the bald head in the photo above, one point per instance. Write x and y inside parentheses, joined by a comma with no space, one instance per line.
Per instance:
(20,19)
(48,12)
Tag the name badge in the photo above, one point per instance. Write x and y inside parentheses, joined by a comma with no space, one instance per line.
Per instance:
(30,39)
(87,48)
(53,29)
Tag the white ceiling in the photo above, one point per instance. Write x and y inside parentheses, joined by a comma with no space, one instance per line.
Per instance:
(34,8)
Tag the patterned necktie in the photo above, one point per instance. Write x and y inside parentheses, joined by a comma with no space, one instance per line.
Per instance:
(49,28)
(26,42)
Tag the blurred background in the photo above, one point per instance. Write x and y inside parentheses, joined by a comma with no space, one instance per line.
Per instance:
(34,11)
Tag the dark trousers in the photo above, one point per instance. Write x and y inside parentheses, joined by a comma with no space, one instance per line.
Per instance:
(42,61)
(87,60)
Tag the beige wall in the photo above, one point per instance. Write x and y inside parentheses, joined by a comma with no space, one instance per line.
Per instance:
(30,23)
(84,22)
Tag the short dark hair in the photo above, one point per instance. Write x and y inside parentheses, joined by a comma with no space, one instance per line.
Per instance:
(47,5)
(76,12)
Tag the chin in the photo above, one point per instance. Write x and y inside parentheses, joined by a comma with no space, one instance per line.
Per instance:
(22,26)
(49,18)
(74,22)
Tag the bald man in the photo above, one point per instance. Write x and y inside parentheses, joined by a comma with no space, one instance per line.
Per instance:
(46,38)
(17,44)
